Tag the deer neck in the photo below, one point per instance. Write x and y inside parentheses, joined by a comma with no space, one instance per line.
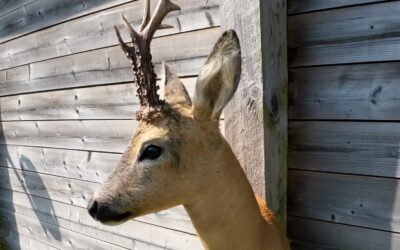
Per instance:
(227,216)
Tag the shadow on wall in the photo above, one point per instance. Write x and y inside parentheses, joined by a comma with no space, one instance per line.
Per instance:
(31,182)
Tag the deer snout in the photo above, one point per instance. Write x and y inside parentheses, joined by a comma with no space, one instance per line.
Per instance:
(105,213)
(93,208)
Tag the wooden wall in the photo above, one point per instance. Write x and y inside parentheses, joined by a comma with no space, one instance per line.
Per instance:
(344,124)
(67,106)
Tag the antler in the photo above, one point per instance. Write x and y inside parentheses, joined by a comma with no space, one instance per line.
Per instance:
(140,56)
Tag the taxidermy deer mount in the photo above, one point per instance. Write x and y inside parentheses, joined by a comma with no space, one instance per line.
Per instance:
(178,155)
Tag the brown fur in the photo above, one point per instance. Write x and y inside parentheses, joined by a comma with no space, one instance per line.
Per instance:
(197,167)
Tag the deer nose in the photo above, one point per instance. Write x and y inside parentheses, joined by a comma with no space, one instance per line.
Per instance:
(93,208)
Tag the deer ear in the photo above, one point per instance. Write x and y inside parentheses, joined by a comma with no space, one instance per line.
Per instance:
(174,92)
(218,78)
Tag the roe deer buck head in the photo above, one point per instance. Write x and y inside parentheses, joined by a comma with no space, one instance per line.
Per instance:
(177,146)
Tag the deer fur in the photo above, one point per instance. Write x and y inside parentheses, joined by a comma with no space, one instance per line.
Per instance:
(197,167)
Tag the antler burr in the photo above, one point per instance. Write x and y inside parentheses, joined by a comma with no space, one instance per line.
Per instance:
(141,59)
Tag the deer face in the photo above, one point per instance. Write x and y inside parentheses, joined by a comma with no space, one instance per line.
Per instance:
(172,155)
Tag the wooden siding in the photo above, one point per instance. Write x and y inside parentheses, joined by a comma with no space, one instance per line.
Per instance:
(344,124)
(256,117)
(66,108)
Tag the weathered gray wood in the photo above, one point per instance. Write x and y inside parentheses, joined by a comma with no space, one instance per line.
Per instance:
(40,14)
(380,50)
(7,6)
(32,228)
(108,65)
(81,165)
(256,118)
(275,99)
(107,135)
(367,22)
(184,68)
(47,186)
(104,102)
(310,234)
(342,36)
(301,6)
(363,148)
(365,92)
(130,235)
(96,31)
(370,202)
(14,240)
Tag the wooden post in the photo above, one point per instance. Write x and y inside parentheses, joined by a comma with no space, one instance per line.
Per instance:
(256,118)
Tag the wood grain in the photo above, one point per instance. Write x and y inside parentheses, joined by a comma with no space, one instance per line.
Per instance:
(275,102)
(40,14)
(50,187)
(369,202)
(109,135)
(344,153)
(184,52)
(96,31)
(363,148)
(356,92)
(368,22)
(99,102)
(256,116)
(6,6)
(77,219)
(70,240)
(360,34)
(301,6)
(310,234)
(14,240)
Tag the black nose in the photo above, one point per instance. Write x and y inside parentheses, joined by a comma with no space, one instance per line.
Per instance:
(93,206)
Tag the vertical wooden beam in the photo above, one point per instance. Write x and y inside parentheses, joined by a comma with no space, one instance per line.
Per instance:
(256,118)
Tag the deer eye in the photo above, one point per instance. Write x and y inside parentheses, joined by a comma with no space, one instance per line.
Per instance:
(151,152)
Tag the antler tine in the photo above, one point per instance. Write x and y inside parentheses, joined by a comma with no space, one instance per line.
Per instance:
(122,44)
(134,35)
(162,9)
(146,16)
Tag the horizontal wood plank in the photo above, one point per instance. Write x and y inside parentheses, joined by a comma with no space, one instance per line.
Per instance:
(360,34)
(40,14)
(308,234)
(108,135)
(103,102)
(53,235)
(301,6)
(185,52)
(14,240)
(49,187)
(96,31)
(356,92)
(363,148)
(80,165)
(370,202)
(6,6)
(129,235)
(335,26)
